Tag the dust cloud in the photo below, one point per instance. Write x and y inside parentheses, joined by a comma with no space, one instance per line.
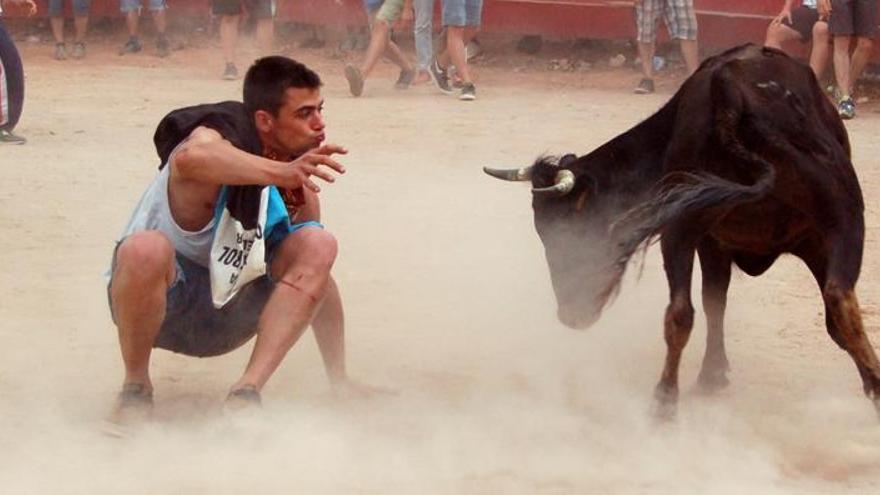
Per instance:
(448,302)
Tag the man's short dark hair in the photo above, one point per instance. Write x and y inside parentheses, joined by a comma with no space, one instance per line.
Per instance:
(268,79)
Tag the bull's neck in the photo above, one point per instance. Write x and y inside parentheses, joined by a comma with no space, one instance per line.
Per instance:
(629,165)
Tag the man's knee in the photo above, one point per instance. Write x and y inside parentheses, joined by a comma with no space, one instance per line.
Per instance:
(310,247)
(820,32)
(148,253)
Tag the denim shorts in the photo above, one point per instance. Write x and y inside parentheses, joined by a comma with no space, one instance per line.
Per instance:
(80,7)
(192,325)
(462,12)
(135,5)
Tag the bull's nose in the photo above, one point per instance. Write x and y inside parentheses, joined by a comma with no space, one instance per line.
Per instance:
(575,319)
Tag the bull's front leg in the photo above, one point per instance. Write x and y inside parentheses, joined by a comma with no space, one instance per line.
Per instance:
(678,261)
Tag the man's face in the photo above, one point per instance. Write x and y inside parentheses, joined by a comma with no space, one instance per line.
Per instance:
(299,125)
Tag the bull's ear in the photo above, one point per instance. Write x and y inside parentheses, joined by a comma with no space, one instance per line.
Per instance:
(589,191)
(567,160)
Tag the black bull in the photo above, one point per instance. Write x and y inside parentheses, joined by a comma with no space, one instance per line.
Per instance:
(749,160)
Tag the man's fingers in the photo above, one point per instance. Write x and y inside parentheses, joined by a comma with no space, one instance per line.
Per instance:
(308,184)
(329,149)
(326,160)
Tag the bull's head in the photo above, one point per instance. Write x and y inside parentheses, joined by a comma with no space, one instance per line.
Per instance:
(573,221)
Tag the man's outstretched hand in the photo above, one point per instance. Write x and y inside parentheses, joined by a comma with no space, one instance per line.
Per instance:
(314,163)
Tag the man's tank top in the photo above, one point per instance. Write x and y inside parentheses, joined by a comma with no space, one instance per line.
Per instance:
(154,213)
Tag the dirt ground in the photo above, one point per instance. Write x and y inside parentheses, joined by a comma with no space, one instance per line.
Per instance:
(448,302)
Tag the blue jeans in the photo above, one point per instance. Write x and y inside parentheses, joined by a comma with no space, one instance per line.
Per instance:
(422,31)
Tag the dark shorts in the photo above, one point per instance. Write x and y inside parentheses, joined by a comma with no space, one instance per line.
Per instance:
(259,9)
(853,18)
(193,326)
(802,20)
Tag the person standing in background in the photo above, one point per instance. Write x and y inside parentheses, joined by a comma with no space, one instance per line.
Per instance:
(80,25)
(229,12)
(850,19)
(132,11)
(11,80)
(461,19)
(681,21)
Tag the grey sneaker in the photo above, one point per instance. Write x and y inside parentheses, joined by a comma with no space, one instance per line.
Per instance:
(405,79)
(162,49)
(846,108)
(468,92)
(7,137)
(646,86)
(230,72)
(355,80)
(133,45)
(440,78)
(60,51)
(79,50)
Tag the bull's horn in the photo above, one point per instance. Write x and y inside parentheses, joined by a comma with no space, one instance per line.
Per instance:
(514,174)
(564,184)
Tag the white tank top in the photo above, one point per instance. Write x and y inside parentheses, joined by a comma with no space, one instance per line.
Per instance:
(154,213)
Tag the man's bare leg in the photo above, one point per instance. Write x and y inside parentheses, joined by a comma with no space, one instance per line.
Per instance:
(379,37)
(842,64)
(821,51)
(329,327)
(302,271)
(265,35)
(690,53)
(860,57)
(646,55)
(457,37)
(144,271)
(228,37)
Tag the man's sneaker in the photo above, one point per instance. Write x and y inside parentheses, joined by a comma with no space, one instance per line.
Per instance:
(60,51)
(355,80)
(133,404)
(646,86)
(162,49)
(468,92)
(405,79)
(10,138)
(230,72)
(79,50)
(133,45)
(438,75)
(846,108)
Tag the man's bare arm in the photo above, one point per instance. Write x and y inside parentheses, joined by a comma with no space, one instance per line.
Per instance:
(205,157)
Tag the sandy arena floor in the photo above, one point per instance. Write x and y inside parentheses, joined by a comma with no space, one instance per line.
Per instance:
(448,301)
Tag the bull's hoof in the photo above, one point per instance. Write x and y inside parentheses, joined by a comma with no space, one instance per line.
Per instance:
(665,405)
(710,382)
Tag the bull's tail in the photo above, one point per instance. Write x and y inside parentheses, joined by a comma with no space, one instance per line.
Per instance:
(683,194)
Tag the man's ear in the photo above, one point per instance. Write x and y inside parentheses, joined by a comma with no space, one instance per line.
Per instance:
(264,121)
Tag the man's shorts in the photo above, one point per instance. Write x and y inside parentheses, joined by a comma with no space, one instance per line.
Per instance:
(462,12)
(853,18)
(192,325)
(802,20)
(388,11)
(135,5)
(80,7)
(258,9)
(680,17)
